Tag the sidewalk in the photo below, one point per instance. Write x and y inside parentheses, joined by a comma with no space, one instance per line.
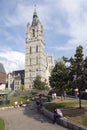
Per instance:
(27,118)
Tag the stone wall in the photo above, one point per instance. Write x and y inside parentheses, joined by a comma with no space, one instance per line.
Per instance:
(63,121)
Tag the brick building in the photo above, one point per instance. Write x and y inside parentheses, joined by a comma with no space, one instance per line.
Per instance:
(2,77)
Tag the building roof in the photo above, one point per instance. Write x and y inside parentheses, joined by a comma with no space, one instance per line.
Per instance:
(2,70)
(35,21)
(17,72)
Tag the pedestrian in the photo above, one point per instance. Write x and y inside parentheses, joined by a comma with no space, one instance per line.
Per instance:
(16,104)
(21,103)
(57,114)
(39,103)
(48,99)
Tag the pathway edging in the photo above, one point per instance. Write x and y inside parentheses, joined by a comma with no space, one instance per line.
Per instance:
(63,121)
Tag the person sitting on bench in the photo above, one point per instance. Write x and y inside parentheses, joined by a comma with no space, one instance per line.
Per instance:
(57,114)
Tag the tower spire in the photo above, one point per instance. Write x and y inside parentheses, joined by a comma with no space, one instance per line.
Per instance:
(35,12)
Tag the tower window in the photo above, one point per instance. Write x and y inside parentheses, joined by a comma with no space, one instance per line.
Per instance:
(36,48)
(37,70)
(33,33)
(30,61)
(30,49)
(29,70)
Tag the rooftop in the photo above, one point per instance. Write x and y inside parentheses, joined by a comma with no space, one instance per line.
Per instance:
(2,70)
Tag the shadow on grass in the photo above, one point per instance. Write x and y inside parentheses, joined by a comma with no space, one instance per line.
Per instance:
(67,110)
(74,112)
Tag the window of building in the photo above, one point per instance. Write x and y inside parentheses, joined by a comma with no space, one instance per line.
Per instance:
(30,61)
(36,48)
(37,70)
(29,70)
(33,33)
(29,86)
(30,49)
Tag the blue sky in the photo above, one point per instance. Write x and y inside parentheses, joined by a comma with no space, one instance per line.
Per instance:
(64,22)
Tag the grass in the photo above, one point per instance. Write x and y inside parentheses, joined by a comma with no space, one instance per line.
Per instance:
(2,124)
(60,104)
(19,99)
(71,110)
(26,99)
(82,120)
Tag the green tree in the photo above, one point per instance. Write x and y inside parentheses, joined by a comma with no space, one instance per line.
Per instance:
(85,73)
(22,87)
(59,77)
(39,84)
(76,71)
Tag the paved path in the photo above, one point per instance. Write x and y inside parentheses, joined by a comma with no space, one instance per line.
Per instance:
(27,119)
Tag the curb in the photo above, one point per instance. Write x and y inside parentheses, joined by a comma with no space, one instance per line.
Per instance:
(63,121)
(3,108)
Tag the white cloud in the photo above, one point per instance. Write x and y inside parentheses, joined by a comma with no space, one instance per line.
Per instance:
(76,18)
(64,17)
(12,60)
(71,20)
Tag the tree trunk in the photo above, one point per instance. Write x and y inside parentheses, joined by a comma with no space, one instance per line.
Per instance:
(80,100)
(80,103)
(61,96)
(64,94)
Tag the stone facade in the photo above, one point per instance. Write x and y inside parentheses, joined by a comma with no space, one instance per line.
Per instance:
(35,57)
(36,61)
(15,80)
(50,65)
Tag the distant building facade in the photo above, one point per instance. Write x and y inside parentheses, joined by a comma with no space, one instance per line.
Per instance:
(36,61)
(50,65)
(15,79)
(2,77)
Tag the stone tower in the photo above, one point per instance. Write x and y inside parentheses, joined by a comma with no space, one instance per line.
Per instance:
(35,57)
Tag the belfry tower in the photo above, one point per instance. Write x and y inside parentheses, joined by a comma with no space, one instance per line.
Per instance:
(35,57)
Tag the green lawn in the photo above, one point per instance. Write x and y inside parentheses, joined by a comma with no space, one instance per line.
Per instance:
(71,110)
(2,124)
(19,99)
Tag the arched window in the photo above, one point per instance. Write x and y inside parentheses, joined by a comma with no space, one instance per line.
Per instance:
(30,49)
(33,33)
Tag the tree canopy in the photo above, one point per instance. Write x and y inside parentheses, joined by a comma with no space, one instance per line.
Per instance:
(59,76)
(74,75)
(39,84)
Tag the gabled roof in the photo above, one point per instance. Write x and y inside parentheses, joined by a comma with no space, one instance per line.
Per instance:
(2,70)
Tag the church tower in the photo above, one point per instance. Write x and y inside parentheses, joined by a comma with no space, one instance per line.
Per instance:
(35,57)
